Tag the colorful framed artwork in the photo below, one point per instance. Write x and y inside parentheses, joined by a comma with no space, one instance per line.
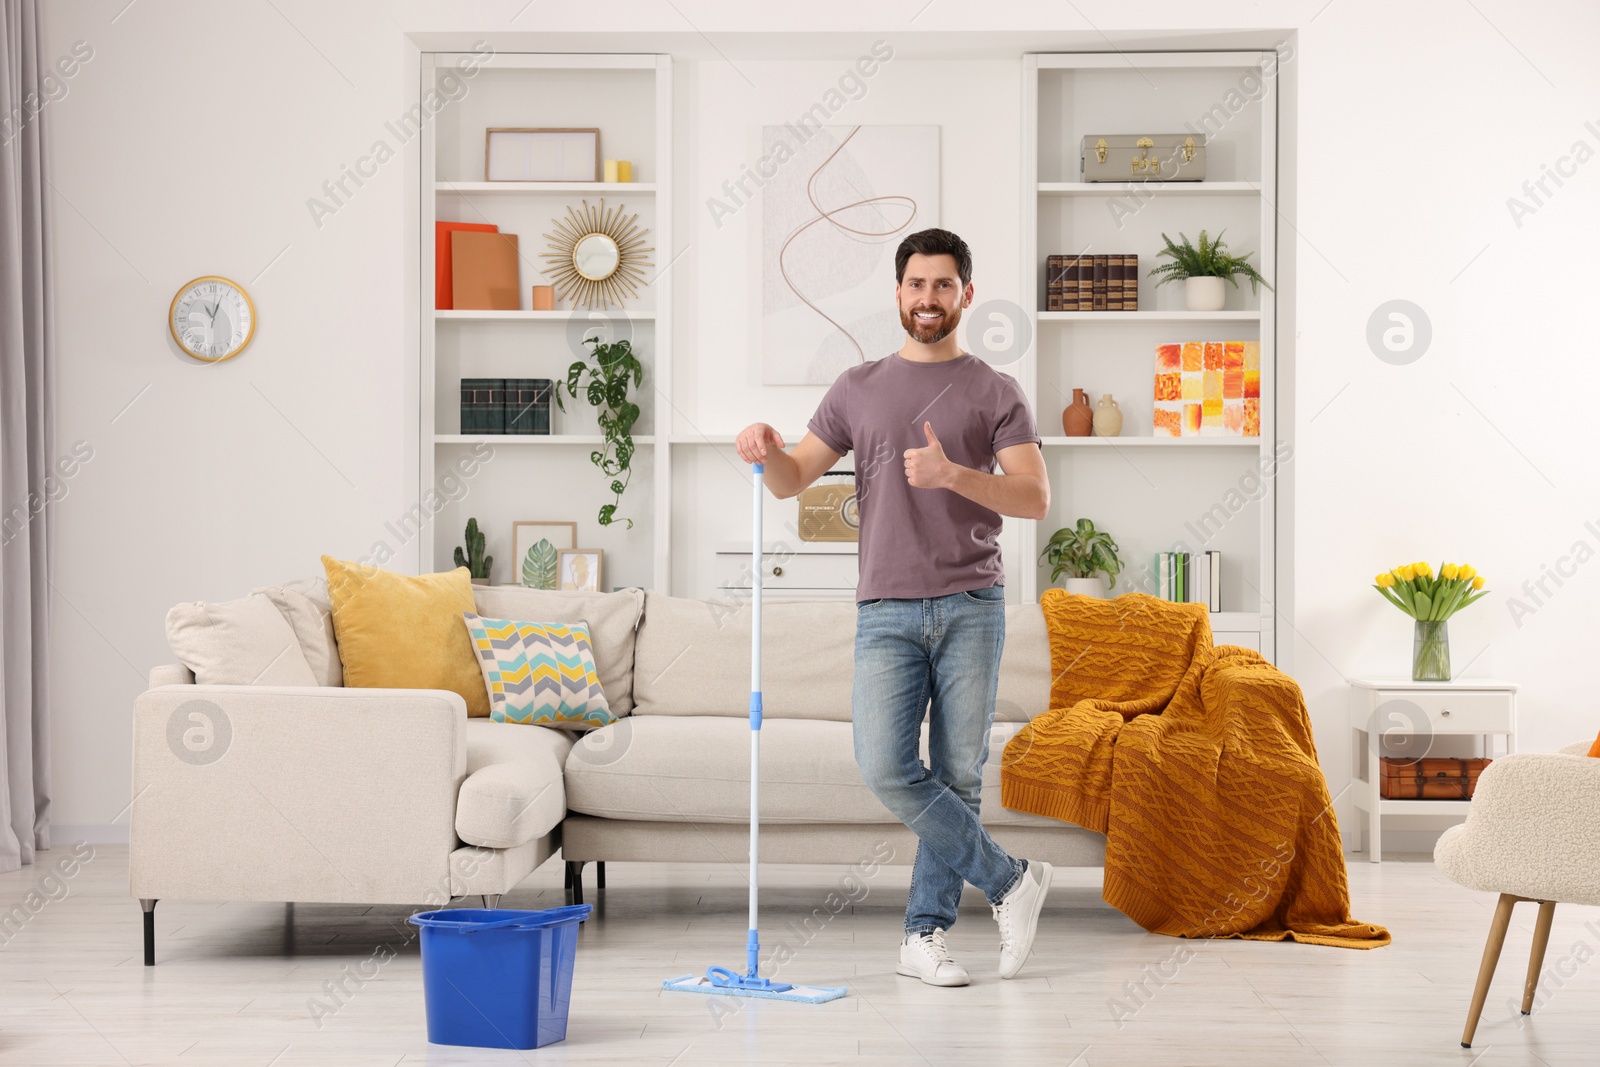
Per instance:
(534,551)
(1207,389)
(580,569)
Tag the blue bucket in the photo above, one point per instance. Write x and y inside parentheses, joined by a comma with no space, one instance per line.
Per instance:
(497,978)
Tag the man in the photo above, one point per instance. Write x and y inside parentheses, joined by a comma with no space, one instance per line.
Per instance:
(928,423)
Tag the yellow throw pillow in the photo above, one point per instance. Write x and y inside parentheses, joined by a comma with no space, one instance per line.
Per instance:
(403,631)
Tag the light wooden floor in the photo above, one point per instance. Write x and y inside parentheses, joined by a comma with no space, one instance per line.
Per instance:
(233,982)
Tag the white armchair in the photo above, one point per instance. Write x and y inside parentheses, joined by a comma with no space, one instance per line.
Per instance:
(1533,834)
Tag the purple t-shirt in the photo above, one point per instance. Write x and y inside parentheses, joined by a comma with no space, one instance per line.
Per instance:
(923,542)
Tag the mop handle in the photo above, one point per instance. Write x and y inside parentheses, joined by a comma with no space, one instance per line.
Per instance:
(753,944)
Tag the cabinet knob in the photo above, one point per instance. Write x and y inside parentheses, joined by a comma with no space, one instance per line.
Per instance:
(777,572)
(1444,713)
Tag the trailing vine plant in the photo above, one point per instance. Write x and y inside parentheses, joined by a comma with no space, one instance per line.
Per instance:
(607,391)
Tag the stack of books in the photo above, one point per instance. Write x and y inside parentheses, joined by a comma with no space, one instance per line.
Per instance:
(1108,282)
(506,405)
(1190,577)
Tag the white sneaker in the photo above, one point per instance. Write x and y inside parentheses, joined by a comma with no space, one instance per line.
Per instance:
(1018,916)
(927,958)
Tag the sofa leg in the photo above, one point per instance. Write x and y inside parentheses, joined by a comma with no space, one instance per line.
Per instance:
(575,881)
(600,874)
(1541,938)
(149,906)
(1491,956)
(491,900)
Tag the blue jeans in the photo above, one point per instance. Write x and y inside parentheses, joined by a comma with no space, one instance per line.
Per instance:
(947,648)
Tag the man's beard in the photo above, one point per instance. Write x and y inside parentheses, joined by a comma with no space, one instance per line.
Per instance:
(930,333)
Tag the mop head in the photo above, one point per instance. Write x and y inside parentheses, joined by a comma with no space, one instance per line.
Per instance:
(803,994)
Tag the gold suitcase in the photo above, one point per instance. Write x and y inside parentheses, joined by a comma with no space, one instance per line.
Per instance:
(1126,157)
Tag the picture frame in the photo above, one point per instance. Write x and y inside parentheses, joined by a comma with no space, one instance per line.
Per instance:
(580,569)
(543,569)
(541,154)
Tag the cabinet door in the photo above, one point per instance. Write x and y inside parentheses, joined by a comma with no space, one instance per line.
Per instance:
(835,573)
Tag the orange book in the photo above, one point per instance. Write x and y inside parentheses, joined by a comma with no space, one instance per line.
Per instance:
(442,291)
(484,271)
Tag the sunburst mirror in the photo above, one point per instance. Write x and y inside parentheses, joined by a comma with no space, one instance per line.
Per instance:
(597,255)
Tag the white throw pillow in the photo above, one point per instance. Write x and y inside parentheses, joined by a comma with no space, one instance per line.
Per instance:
(237,642)
(303,603)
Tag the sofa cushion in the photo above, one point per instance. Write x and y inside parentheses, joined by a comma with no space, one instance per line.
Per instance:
(693,658)
(304,605)
(669,768)
(1024,666)
(513,791)
(404,631)
(539,673)
(237,642)
(612,619)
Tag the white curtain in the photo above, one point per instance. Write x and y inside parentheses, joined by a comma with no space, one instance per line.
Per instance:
(27,440)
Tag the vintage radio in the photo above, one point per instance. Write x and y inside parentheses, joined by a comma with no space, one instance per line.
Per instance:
(1435,778)
(1127,157)
(828,512)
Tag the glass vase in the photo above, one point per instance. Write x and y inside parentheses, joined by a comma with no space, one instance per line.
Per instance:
(1430,651)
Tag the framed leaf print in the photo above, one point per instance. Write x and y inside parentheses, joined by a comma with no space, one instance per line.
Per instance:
(535,551)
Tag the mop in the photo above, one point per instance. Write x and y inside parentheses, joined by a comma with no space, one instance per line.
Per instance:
(724,980)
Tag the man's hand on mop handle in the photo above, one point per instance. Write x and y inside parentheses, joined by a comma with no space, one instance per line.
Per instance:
(756,440)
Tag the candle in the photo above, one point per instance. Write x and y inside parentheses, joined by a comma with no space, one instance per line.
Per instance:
(611,170)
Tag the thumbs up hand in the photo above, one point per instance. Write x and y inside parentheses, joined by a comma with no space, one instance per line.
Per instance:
(927,467)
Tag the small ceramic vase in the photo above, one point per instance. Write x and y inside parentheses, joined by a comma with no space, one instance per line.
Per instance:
(1077,419)
(1107,417)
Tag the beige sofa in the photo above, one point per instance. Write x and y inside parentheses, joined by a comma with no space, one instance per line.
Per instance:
(328,794)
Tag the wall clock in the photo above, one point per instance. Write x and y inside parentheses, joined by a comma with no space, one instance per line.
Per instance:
(212,319)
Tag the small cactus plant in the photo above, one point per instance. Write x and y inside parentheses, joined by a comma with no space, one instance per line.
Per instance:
(473,558)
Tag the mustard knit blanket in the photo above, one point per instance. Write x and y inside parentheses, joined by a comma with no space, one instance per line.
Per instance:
(1197,763)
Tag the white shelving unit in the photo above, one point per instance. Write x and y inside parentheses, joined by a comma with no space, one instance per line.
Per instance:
(1152,493)
(545,477)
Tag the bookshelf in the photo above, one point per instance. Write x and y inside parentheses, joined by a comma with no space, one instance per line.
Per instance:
(544,477)
(1149,492)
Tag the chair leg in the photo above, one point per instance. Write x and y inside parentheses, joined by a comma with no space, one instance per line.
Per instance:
(149,906)
(491,900)
(1491,956)
(1541,938)
(600,874)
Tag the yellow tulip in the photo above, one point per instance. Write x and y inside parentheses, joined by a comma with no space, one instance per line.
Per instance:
(1466,571)
(1448,571)
(1424,570)
(1385,580)
(1407,572)
(1477,582)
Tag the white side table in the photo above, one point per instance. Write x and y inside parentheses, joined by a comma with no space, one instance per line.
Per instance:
(1393,708)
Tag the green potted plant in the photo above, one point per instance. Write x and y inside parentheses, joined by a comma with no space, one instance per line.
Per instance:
(1084,554)
(1204,267)
(477,564)
(607,391)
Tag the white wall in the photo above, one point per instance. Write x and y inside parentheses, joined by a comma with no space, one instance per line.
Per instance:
(718,387)
(192,139)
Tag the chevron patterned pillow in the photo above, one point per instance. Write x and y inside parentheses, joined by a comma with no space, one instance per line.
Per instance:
(541,673)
